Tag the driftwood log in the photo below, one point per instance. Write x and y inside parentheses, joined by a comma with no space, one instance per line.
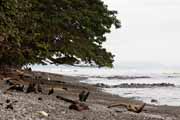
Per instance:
(14,87)
(16,82)
(77,105)
(66,99)
(19,85)
(83,96)
(51,91)
(130,107)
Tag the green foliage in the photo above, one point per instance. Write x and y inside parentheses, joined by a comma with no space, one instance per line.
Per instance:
(72,30)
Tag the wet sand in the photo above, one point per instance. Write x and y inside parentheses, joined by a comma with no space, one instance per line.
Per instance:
(26,106)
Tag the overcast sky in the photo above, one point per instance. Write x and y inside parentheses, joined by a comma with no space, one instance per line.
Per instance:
(150,31)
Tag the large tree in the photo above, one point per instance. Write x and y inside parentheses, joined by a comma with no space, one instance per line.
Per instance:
(63,31)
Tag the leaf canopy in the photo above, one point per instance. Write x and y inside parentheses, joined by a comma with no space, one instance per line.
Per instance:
(63,31)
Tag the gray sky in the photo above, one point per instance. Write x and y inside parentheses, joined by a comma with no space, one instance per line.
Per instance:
(150,31)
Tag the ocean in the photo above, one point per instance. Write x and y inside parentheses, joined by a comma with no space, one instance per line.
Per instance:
(140,74)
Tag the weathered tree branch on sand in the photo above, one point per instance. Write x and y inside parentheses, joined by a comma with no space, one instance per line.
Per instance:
(130,107)
(51,91)
(19,85)
(12,80)
(79,107)
(31,88)
(34,85)
(66,99)
(76,105)
(16,87)
(83,96)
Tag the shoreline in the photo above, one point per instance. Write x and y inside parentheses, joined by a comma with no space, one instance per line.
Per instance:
(28,104)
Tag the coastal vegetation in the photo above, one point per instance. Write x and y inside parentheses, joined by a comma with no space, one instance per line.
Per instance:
(55,31)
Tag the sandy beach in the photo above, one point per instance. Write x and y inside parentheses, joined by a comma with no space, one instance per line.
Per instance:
(29,106)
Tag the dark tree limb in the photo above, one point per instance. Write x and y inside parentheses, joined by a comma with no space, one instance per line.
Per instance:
(66,99)
(83,96)
(51,91)
(75,105)
(130,107)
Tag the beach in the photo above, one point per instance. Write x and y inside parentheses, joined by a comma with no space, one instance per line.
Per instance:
(29,106)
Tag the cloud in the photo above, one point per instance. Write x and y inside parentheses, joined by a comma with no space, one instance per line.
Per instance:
(161,3)
(150,31)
